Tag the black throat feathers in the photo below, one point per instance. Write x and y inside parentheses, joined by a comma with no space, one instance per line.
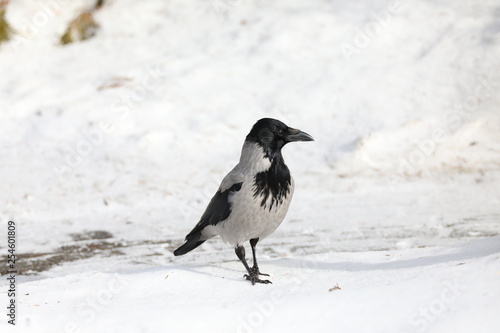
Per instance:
(274,183)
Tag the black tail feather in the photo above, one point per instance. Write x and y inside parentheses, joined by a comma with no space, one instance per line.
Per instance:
(191,243)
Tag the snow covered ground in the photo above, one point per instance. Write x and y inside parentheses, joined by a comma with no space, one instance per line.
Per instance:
(450,289)
(110,150)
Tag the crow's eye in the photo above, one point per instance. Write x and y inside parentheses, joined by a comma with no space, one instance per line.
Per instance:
(280,132)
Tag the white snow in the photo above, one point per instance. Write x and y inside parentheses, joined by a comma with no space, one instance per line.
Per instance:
(452,289)
(397,201)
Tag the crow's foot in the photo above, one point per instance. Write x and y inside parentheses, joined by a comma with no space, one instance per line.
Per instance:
(254,278)
(255,270)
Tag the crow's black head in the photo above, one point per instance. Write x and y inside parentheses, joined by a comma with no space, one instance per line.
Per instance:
(272,134)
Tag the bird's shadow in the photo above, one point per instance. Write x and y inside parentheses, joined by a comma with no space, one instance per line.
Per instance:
(196,269)
(200,269)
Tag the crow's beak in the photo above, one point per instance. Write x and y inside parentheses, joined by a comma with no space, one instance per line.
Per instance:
(297,135)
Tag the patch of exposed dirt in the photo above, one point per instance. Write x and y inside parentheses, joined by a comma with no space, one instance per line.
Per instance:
(87,245)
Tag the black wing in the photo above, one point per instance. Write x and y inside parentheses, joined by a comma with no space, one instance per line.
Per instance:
(217,211)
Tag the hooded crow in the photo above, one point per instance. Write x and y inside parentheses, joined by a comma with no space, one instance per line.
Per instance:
(253,198)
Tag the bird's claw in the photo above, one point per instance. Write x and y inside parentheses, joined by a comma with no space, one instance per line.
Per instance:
(254,276)
(255,279)
(255,271)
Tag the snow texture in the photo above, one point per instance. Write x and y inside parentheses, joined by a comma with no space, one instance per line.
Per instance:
(110,150)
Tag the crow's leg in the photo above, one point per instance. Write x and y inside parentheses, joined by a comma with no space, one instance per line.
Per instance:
(251,276)
(255,268)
